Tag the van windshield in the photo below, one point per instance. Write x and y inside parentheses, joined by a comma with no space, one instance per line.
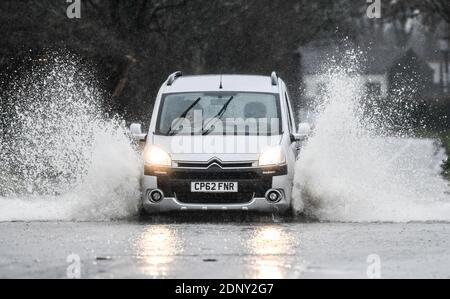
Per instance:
(219,114)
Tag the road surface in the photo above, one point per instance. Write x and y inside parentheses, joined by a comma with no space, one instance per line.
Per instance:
(162,249)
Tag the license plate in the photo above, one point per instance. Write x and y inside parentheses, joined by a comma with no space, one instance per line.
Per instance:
(214,187)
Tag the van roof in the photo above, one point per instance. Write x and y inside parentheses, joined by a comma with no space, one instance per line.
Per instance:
(211,83)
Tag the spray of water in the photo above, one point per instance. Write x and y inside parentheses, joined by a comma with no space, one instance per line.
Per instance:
(61,157)
(354,169)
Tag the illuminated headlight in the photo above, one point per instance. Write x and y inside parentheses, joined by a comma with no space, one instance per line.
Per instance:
(272,156)
(156,156)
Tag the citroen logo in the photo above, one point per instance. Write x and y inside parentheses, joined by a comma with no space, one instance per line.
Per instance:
(214,162)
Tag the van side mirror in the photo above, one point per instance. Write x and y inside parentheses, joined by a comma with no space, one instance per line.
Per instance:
(136,132)
(304,129)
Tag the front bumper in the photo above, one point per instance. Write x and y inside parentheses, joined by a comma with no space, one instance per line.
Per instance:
(253,183)
(256,205)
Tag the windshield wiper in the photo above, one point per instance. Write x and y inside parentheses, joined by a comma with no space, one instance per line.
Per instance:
(217,117)
(173,131)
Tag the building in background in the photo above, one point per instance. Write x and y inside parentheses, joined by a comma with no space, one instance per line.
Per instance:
(382,70)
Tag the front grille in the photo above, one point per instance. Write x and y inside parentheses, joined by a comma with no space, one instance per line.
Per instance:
(215,198)
(215,172)
(206,175)
(207,165)
(251,182)
(246,187)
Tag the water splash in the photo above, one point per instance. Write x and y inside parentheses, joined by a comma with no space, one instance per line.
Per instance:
(61,157)
(354,168)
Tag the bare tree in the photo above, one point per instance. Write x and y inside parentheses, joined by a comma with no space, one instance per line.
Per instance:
(440,7)
(134,44)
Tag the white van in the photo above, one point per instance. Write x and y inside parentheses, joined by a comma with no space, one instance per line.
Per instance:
(222,143)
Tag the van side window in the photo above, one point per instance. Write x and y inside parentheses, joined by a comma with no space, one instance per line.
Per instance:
(291,125)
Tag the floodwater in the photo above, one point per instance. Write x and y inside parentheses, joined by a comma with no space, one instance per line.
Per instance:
(232,250)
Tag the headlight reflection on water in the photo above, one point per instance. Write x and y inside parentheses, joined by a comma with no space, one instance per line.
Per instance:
(156,248)
(269,252)
(273,252)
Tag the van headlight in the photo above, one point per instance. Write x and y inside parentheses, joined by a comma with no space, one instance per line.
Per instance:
(272,156)
(156,156)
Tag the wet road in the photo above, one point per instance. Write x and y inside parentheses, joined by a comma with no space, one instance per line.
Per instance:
(231,250)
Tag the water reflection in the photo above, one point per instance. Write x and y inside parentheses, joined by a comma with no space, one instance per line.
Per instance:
(156,249)
(274,250)
(264,252)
